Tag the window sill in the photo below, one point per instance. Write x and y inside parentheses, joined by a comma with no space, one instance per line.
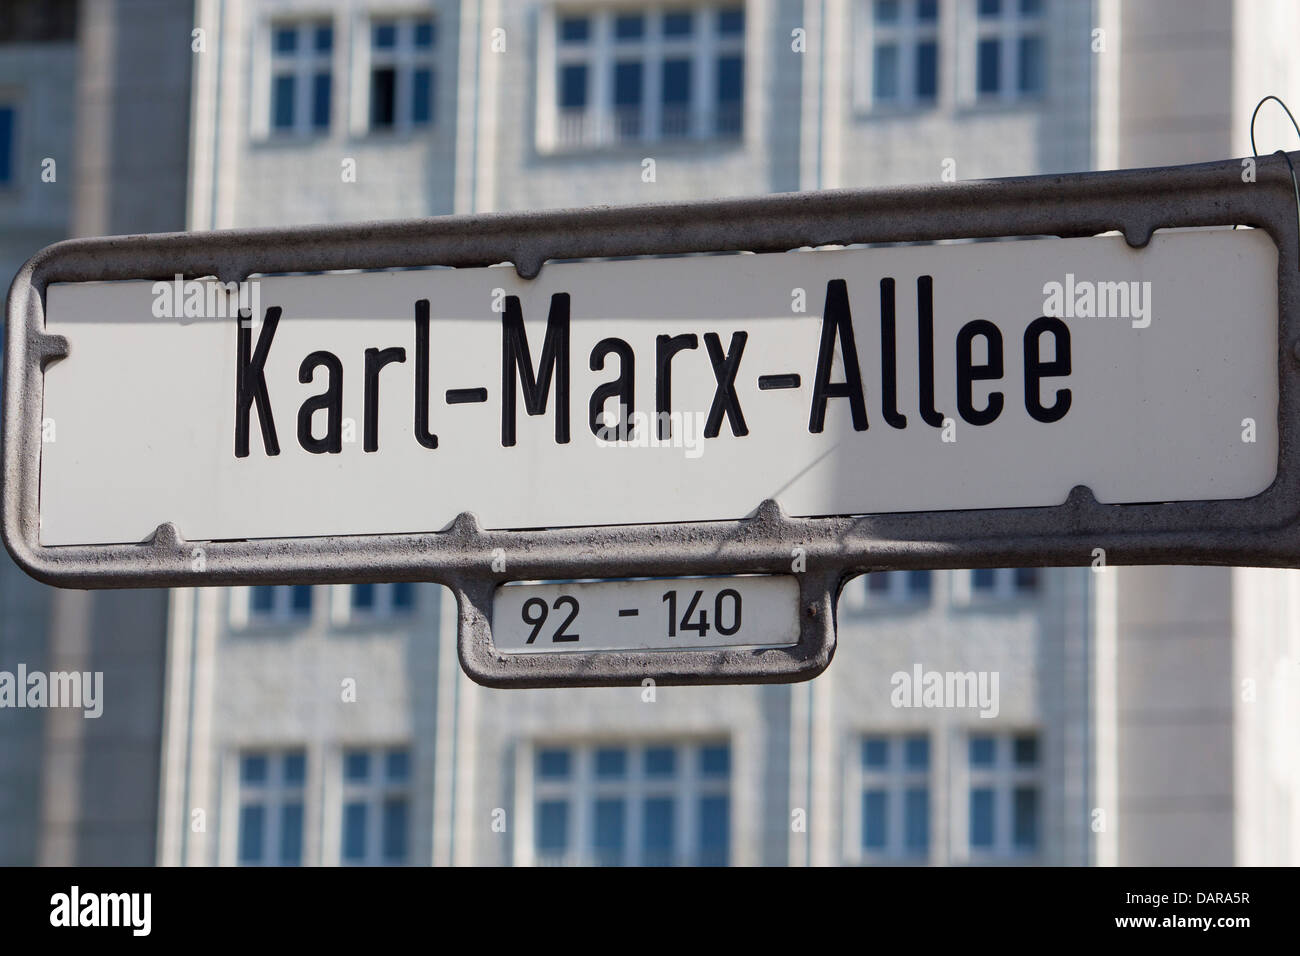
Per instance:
(291,140)
(986,105)
(894,111)
(712,145)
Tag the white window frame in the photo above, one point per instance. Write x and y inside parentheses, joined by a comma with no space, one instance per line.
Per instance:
(704,47)
(907,34)
(686,787)
(895,779)
(1008,29)
(272,796)
(242,615)
(374,792)
(303,64)
(1003,778)
(405,58)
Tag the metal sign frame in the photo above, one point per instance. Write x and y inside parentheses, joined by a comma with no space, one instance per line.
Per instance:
(1263,530)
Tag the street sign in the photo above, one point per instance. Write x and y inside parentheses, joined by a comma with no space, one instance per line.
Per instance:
(326,404)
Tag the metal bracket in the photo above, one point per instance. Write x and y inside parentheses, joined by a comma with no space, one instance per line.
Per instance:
(1262,530)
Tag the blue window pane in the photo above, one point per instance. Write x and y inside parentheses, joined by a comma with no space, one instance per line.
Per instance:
(1031,8)
(394,831)
(284,39)
(627,84)
(384,36)
(984,579)
(875,806)
(983,751)
(731,79)
(918,583)
(629,26)
(575,29)
(291,834)
(552,826)
(981,817)
(356,765)
(404,591)
(875,752)
(885,72)
(1031,70)
(301,600)
(295,769)
(731,22)
(1027,579)
(421,112)
(1024,818)
(677,82)
(988,68)
(916,820)
(320,119)
(916,753)
(927,86)
(990,8)
(262,598)
(677,24)
(611,763)
(424,34)
(283,90)
(354,832)
(715,830)
(252,833)
(363,597)
(1025,751)
(610,817)
(397,765)
(553,764)
(715,761)
(573,86)
(927,11)
(657,832)
(660,761)
(886,11)
(323,38)
(252,769)
(878,582)
(6,145)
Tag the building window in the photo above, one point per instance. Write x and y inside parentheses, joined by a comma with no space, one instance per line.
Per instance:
(8,138)
(892,778)
(1005,795)
(647,74)
(271,790)
(301,77)
(1010,49)
(898,587)
(1004,583)
(903,50)
(390,599)
(630,805)
(268,604)
(402,73)
(376,807)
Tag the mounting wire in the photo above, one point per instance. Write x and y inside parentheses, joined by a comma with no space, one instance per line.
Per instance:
(1294,188)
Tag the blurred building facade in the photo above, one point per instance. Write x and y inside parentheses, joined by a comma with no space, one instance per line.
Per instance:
(1142,715)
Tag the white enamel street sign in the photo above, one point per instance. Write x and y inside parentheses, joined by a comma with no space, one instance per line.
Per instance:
(660,613)
(857,381)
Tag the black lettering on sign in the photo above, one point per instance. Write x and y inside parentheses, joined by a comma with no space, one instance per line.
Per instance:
(925,355)
(376,359)
(422,434)
(968,372)
(889,356)
(250,383)
(1036,369)
(725,401)
(837,321)
(623,388)
(666,346)
(331,400)
(516,361)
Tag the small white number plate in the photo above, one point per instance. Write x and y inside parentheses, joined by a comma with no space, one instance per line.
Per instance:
(646,614)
